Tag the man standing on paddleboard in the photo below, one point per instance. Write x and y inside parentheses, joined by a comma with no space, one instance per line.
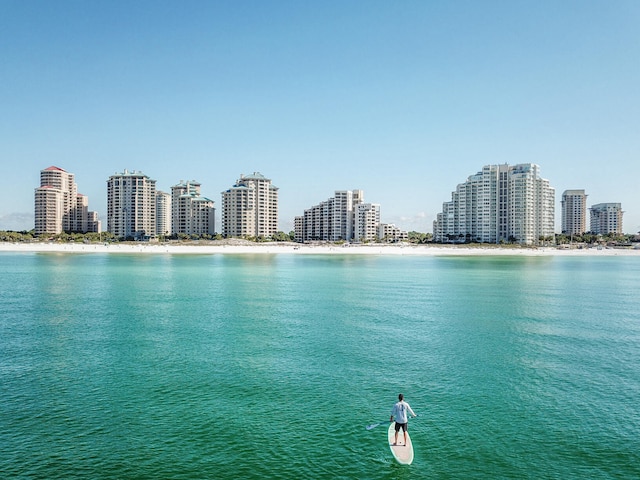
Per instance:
(399,412)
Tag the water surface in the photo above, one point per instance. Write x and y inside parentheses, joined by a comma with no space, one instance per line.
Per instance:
(270,366)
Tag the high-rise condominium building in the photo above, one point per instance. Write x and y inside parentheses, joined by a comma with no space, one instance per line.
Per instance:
(131,205)
(191,213)
(345,217)
(500,203)
(298,225)
(163,213)
(94,224)
(58,206)
(330,220)
(606,218)
(574,212)
(250,208)
(366,222)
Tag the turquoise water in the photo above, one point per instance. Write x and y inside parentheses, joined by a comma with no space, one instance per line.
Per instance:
(271,366)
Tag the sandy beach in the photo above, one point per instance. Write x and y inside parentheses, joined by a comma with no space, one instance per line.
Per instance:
(305,249)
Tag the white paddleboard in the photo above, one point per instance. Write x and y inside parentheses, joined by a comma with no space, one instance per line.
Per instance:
(401,452)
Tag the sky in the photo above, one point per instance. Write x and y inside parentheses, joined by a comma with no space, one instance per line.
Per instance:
(403,100)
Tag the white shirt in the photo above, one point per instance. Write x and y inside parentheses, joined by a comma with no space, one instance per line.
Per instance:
(400,410)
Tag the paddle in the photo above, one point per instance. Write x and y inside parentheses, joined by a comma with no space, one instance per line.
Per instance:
(374,425)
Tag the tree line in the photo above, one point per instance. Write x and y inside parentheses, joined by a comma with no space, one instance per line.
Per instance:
(413,237)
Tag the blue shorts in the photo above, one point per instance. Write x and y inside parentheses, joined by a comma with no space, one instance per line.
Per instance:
(402,426)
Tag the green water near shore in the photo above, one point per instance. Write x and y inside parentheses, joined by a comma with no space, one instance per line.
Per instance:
(270,366)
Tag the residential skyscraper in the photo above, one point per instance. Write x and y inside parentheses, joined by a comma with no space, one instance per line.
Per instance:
(58,206)
(344,216)
(574,212)
(366,222)
(94,224)
(131,205)
(250,207)
(191,213)
(82,213)
(500,203)
(606,218)
(163,213)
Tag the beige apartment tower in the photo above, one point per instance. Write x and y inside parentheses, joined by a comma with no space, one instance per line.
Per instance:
(250,208)
(606,218)
(131,205)
(58,206)
(574,212)
(163,213)
(191,213)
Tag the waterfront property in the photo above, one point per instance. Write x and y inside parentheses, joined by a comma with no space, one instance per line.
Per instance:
(131,205)
(501,203)
(59,207)
(343,217)
(574,211)
(606,218)
(191,213)
(250,207)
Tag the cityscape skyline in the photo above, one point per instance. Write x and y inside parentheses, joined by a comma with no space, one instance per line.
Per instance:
(402,100)
(498,203)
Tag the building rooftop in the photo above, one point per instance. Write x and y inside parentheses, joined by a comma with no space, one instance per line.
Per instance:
(254,176)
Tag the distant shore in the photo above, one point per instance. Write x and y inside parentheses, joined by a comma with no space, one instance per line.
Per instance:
(232,248)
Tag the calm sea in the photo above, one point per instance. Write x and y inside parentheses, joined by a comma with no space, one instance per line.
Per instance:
(271,366)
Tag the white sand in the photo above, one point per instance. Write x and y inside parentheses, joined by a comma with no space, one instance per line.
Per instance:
(288,248)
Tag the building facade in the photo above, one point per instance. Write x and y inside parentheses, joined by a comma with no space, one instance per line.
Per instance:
(250,208)
(163,213)
(501,203)
(606,218)
(191,213)
(574,212)
(58,206)
(95,225)
(343,217)
(131,205)
(390,233)
(367,222)
(298,224)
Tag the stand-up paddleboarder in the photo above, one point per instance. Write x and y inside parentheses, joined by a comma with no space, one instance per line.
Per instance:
(399,413)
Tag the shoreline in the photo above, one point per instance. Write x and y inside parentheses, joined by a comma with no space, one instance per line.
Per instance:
(307,249)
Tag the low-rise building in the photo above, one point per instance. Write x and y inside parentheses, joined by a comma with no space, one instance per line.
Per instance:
(388,232)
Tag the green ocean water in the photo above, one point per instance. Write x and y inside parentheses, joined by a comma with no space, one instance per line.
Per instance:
(271,366)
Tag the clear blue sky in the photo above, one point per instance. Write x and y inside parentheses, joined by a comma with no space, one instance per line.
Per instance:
(403,100)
